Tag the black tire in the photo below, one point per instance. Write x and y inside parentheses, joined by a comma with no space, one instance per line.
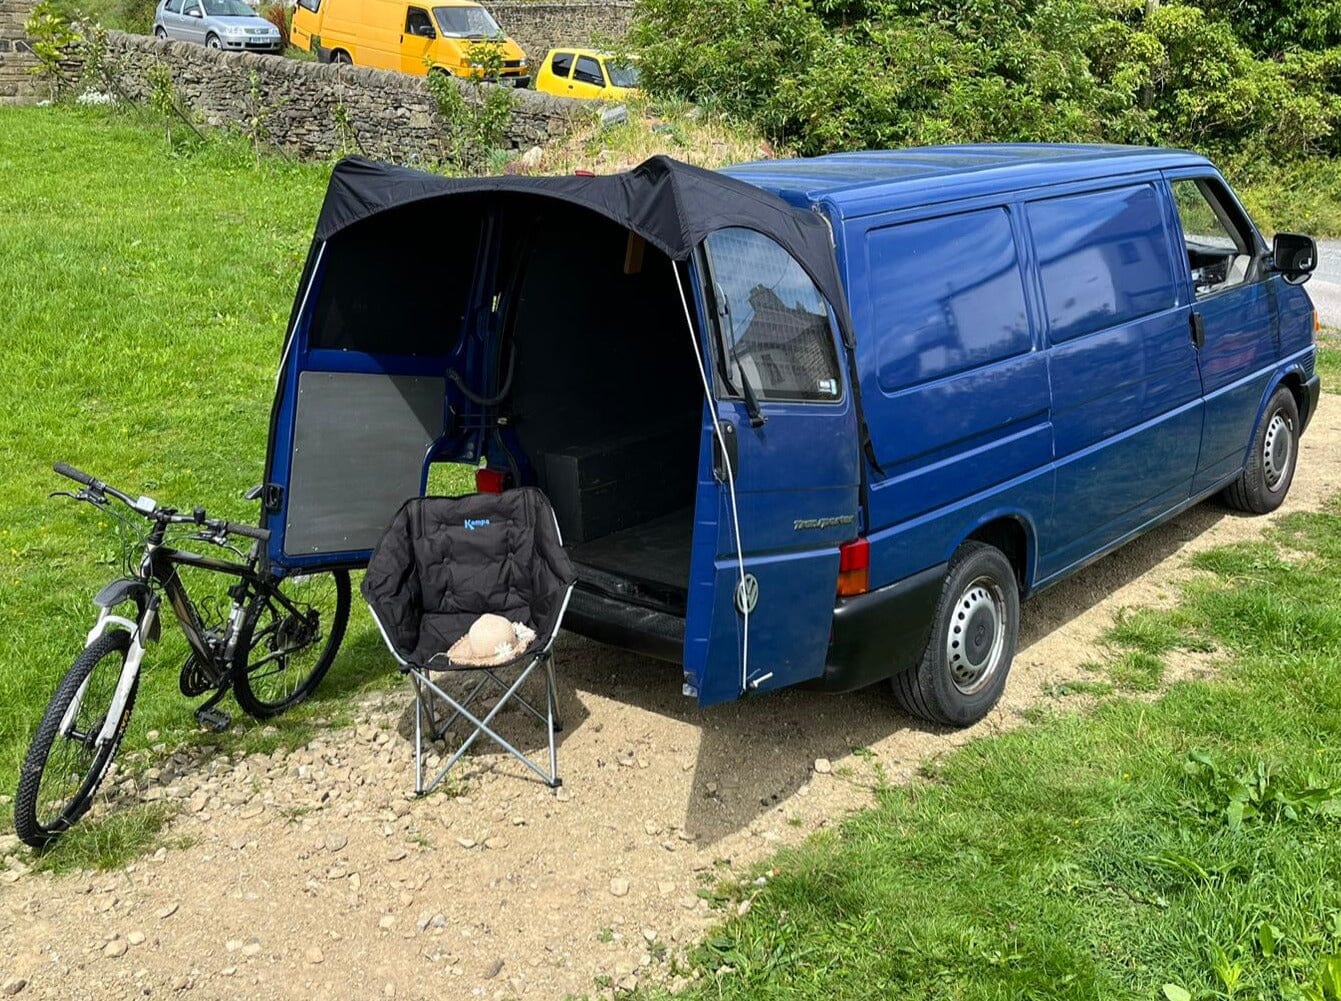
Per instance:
(266,681)
(212,41)
(964,668)
(1266,478)
(161,33)
(37,823)
(341,58)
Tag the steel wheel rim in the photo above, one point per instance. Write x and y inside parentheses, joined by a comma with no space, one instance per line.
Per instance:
(975,643)
(1277,450)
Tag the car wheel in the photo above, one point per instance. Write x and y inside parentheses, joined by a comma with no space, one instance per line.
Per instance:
(212,41)
(1266,478)
(963,671)
(341,58)
(161,33)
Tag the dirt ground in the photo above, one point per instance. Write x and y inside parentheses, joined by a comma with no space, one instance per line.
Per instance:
(313,873)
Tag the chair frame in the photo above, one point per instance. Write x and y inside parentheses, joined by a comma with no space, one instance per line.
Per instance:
(424,689)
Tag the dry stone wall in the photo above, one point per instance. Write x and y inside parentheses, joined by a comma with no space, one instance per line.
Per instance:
(18,85)
(538,27)
(311,109)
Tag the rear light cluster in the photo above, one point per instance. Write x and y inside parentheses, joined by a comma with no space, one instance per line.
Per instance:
(854,568)
(489,481)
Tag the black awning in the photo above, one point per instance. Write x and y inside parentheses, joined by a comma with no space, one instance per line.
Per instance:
(672,205)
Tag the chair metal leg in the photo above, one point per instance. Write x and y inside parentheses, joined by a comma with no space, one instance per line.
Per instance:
(418,736)
(553,691)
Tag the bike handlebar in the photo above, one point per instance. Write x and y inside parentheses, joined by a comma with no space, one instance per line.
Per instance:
(227,527)
(78,475)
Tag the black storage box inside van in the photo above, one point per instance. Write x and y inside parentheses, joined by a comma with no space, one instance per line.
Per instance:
(601,488)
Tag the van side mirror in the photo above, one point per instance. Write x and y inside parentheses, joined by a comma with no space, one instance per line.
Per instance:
(424,31)
(1294,255)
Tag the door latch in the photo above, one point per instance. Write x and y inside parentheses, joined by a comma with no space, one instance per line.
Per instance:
(732,452)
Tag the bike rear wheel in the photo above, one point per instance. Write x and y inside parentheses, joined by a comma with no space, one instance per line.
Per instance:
(62,771)
(283,653)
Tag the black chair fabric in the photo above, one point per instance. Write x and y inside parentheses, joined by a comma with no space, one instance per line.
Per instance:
(445,561)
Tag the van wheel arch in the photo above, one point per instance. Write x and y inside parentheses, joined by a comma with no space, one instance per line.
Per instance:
(1294,381)
(341,58)
(1013,537)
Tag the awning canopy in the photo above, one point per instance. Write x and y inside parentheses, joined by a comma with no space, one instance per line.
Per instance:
(672,205)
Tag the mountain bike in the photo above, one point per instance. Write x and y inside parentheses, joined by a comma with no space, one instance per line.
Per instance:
(271,642)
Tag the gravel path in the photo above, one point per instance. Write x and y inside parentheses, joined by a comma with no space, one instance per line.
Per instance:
(313,875)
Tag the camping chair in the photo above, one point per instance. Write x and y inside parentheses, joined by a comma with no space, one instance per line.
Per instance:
(443,563)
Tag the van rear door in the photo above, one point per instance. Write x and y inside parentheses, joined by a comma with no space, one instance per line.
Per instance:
(778,478)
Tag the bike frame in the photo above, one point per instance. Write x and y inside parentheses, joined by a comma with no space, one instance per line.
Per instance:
(159,567)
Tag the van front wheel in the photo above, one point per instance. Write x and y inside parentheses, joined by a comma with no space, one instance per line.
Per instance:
(963,671)
(1266,479)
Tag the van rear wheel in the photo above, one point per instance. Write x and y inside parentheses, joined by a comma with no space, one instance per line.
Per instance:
(1266,479)
(963,671)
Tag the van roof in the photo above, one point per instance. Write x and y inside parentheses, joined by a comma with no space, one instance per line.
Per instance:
(859,183)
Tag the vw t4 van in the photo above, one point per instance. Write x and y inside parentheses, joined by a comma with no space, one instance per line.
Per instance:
(821,421)
(452,36)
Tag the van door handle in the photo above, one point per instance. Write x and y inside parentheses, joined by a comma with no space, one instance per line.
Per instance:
(1198,330)
(732,452)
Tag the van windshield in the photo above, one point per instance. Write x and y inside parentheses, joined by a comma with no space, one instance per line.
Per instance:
(622,75)
(467,22)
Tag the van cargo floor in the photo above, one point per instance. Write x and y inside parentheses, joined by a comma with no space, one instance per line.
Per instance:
(655,551)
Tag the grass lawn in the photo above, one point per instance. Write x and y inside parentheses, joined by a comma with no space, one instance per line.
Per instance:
(145,297)
(1193,841)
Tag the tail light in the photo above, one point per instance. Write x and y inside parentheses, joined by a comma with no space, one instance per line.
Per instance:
(489,481)
(854,568)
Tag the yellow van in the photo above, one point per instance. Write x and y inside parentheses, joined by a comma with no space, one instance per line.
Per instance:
(409,37)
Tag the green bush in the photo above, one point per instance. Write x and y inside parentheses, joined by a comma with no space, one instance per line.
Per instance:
(824,75)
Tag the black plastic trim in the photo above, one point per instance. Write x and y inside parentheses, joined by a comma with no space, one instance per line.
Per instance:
(877,635)
(1312,392)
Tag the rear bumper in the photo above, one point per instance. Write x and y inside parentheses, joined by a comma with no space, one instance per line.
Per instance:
(877,635)
(1312,393)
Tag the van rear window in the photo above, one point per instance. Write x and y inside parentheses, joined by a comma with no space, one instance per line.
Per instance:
(1103,258)
(947,296)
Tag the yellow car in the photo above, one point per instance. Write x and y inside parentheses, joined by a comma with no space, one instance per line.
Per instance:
(586,73)
(412,37)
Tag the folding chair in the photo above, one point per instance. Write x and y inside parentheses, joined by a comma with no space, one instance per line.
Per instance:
(442,563)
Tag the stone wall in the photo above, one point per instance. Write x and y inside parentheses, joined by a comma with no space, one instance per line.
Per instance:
(539,27)
(18,85)
(311,109)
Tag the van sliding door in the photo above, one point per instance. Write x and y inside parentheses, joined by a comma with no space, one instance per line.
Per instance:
(779,462)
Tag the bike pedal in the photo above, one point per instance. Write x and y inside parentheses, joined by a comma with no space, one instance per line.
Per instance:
(213,719)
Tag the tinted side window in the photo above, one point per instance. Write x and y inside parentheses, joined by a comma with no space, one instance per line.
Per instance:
(561,64)
(773,324)
(589,71)
(948,296)
(1103,258)
(173,6)
(312,5)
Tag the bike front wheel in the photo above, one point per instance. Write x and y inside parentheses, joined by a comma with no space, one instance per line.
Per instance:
(291,630)
(65,763)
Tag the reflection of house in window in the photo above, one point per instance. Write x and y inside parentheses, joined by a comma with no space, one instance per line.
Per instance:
(785,348)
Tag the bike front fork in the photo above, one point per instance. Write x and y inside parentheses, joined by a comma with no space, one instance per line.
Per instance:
(140,634)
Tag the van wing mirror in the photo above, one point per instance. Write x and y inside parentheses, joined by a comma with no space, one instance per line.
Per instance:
(1294,255)
(424,31)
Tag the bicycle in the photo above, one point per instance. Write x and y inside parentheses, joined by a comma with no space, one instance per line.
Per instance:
(260,650)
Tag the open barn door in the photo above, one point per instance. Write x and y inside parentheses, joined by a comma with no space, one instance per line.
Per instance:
(779,472)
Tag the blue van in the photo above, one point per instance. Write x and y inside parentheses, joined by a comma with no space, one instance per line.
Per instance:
(823,421)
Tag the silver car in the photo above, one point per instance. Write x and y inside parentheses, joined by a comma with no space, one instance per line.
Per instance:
(220,24)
